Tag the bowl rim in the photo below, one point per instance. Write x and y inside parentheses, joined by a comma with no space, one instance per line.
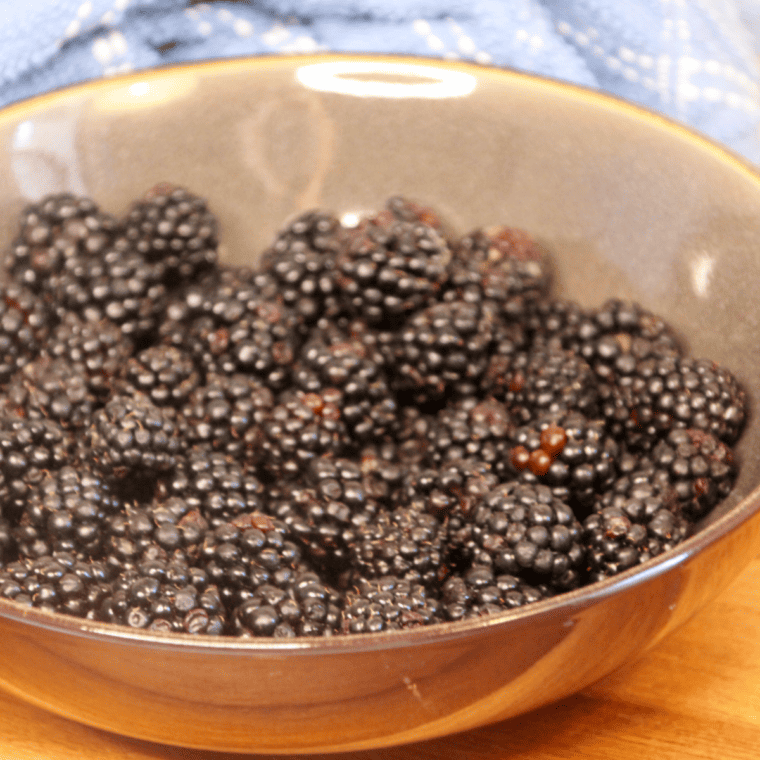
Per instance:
(564,604)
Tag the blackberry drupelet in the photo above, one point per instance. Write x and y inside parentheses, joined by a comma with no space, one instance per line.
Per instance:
(388,604)
(174,228)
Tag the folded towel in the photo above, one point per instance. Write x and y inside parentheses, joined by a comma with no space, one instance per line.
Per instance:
(693,60)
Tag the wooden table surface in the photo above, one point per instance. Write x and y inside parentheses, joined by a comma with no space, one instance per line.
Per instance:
(695,695)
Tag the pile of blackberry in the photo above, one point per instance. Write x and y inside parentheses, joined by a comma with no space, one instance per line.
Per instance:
(379,427)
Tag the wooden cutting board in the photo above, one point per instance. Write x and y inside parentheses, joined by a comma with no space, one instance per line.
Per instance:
(696,695)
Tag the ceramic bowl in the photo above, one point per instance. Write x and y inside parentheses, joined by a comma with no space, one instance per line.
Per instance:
(629,204)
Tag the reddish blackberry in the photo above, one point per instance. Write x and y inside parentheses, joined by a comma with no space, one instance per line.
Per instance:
(227,413)
(523,530)
(501,263)
(23,329)
(479,592)
(98,347)
(165,374)
(471,428)
(404,544)
(700,467)
(388,604)
(301,262)
(53,235)
(131,434)
(443,350)
(247,553)
(66,512)
(215,484)
(174,228)
(305,607)
(301,427)
(166,598)
(391,266)
(355,369)
(57,583)
(615,541)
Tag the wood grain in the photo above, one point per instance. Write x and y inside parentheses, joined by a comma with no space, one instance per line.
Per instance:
(696,695)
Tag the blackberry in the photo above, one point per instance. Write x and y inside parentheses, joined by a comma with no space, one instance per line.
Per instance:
(217,485)
(242,555)
(479,592)
(700,467)
(164,374)
(388,604)
(301,261)
(23,329)
(130,434)
(615,541)
(523,530)
(339,362)
(444,350)
(227,414)
(301,427)
(501,263)
(174,228)
(305,607)
(53,236)
(66,512)
(165,598)
(58,583)
(391,266)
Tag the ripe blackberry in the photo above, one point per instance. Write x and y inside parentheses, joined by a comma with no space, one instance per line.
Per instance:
(132,435)
(391,266)
(404,544)
(522,529)
(23,329)
(164,374)
(58,583)
(216,484)
(301,261)
(615,541)
(501,263)
(98,347)
(472,429)
(304,607)
(53,236)
(301,427)
(242,555)
(569,452)
(355,369)
(227,413)
(479,592)
(166,598)
(388,604)
(174,228)
(66,512)
(700,467)
(443,350)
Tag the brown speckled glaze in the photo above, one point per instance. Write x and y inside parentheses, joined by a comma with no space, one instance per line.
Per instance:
(629,205)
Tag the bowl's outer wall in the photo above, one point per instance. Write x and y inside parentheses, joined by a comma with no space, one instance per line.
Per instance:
(628,205)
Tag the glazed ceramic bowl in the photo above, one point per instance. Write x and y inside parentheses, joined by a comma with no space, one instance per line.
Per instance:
(628,203)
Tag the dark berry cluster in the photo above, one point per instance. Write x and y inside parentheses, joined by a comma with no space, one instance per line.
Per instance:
(380,427)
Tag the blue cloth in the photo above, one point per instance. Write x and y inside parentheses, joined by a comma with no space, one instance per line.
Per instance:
(694,60)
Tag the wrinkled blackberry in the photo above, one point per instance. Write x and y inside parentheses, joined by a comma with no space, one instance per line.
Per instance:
(301,427)
(388,604)
(174,228)
(305,607)
(132,434)
(165,374)
(57,583)
(443,349)
(23,329)
(479,592)
(523,530)
(391,266)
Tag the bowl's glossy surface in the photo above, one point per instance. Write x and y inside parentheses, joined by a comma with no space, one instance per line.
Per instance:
(629,205)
